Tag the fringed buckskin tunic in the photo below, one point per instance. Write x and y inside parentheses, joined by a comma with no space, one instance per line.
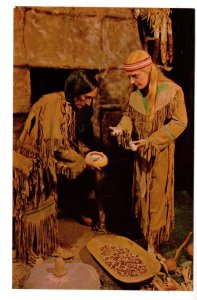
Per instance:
(50,127)
(153,178)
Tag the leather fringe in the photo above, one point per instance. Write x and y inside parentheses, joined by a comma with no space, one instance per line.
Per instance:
(36,232)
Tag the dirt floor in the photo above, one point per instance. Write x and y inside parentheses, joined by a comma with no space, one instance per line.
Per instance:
(75,236)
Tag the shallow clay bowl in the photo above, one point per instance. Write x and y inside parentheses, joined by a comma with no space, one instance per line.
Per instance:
(98,158)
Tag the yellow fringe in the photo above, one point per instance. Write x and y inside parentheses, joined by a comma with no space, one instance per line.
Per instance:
(140,120)
(145,159)
(36,232)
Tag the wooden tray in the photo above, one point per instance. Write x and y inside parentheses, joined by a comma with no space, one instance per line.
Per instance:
(152,264)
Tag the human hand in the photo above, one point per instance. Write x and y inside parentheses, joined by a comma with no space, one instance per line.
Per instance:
(137,144)
(116,131)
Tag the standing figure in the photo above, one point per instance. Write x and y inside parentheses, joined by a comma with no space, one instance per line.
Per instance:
(51,144)
(154,117)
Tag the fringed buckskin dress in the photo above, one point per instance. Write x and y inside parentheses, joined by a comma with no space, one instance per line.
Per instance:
(49,128)
(153,178)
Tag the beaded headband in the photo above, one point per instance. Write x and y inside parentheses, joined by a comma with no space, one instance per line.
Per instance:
(138,65)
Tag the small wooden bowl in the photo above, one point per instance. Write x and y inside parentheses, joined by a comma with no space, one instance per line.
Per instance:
(98,158)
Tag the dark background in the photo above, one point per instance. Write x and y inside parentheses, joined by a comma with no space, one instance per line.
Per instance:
(183,21)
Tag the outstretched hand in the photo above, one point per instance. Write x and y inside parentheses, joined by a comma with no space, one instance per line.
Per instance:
(116,131)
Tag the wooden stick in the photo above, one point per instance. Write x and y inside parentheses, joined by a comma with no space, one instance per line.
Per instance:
(182,245)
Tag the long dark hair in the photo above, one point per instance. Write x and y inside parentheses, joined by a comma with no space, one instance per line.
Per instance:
(78,83)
